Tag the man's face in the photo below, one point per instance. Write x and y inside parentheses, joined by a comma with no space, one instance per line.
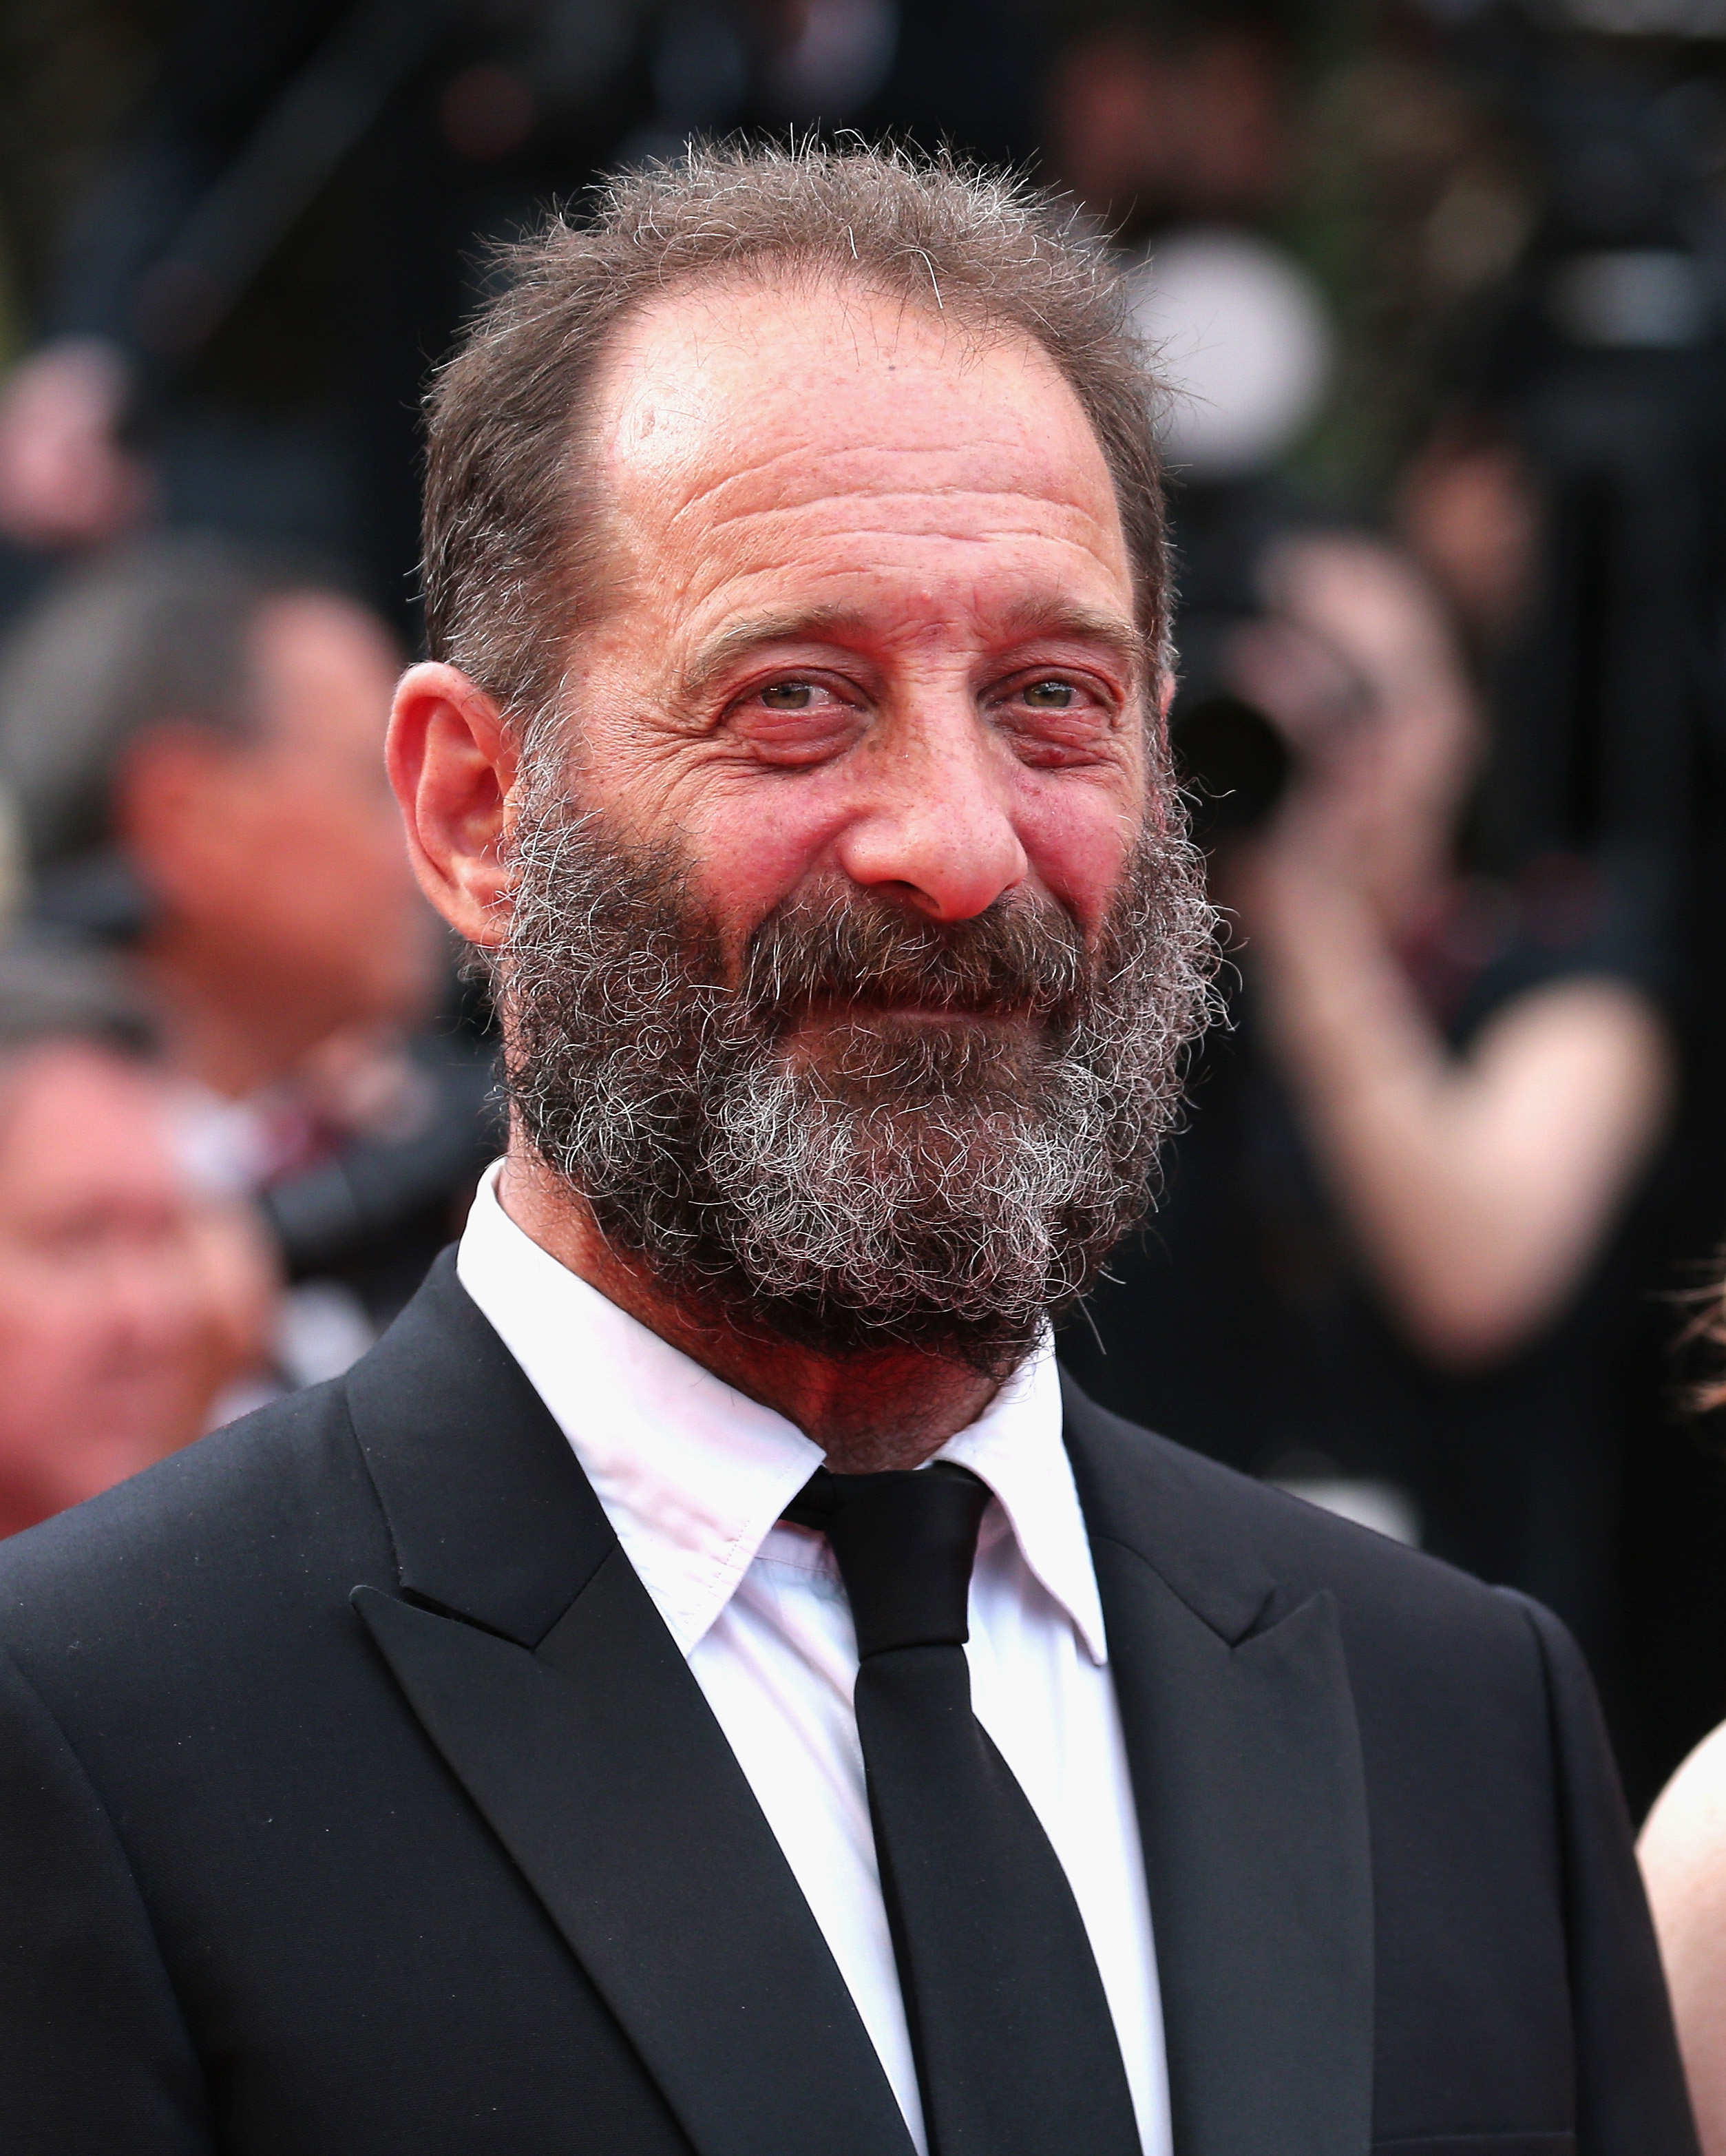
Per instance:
(848,957)
(105,1328)
(282,856)
(876,631)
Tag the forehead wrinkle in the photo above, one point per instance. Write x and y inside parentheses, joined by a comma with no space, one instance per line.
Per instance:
(1042,514)
(896,558)
(800,441)
(1035,611)
(709,495)
(866,511)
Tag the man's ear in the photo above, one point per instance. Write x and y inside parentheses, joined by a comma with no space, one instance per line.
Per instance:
(453,761)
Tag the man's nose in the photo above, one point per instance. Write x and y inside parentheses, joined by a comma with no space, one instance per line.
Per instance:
(937,828)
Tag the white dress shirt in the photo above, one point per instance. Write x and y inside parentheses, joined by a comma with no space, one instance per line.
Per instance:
(693,1476)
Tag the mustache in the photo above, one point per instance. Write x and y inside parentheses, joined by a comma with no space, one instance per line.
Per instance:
(1019,959)
(944,1183)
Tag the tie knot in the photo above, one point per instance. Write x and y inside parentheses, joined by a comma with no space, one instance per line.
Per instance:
(903,1544)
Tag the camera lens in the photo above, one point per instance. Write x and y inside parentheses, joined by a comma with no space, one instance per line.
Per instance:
(1231,763)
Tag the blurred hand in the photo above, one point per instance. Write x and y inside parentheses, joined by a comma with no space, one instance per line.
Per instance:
(1357,664)
(65,479)
(1303,683)
(1373,609)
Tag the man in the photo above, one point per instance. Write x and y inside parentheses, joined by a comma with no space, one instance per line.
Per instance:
(193,732)
(562,1734)
(129,1298)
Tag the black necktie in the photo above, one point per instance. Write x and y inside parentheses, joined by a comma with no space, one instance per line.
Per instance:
(1016,2052)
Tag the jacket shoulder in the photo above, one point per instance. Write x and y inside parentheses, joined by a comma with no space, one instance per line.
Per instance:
(1208,1528)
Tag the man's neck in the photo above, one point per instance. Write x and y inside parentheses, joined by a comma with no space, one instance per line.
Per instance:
(891,1408)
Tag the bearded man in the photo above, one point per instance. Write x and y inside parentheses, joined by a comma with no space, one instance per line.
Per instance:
(699,1686)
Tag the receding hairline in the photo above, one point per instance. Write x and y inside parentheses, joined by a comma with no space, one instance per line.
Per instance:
(968,323)
(967,312)
(969,320)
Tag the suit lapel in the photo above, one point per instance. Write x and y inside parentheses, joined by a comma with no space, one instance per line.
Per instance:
(539,1667)
(1246,1762)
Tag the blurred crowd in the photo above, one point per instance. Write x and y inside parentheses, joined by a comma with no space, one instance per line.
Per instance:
(1440,292)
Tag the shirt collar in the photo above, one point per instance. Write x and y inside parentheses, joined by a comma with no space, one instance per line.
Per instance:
(693,1475)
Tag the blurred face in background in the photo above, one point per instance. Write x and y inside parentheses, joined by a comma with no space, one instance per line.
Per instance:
(125,1301)
(1144,130)
(278,859)
(1468,511)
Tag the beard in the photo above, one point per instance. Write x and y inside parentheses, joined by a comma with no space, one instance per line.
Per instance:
(881,1130)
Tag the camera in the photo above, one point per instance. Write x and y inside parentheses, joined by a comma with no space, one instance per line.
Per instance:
(1232,763)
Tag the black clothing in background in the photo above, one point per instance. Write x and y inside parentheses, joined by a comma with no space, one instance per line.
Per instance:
(374,1211)
(355,1799)
(1241,1319)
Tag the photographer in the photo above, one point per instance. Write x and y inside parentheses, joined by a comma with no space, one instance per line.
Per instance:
(192,731)
(1403,1166)
(1476,1172)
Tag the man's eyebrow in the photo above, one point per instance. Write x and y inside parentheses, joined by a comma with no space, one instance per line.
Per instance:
(794,625)
(1061,620)
(1113,633)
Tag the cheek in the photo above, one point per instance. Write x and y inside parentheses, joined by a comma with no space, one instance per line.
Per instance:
(331,868)
(52,1327)
(755,847)
(1078,839)
(350,841)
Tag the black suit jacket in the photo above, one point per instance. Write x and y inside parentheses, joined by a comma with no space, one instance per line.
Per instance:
(354,1801)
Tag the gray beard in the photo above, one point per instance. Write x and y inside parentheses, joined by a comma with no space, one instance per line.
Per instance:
(850,1182)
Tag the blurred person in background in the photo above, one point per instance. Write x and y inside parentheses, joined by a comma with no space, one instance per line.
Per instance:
(1419,1171)
(1382,1271)
(131,1298)
(192,734)
(1479,1168)
(1683,1853)
(1569,500)
(1158,114)
(214,344)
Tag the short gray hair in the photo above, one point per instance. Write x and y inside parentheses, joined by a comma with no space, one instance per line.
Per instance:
(512,565)
(157,631)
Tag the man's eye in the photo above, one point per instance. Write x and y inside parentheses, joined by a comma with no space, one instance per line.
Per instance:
(789,695)
(1049,695)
